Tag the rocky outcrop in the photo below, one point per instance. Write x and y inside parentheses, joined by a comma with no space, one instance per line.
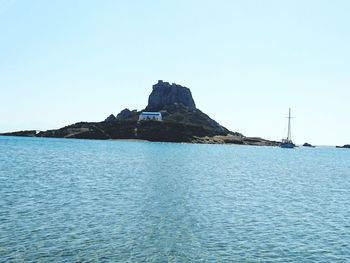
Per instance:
(94,130)
(110,118)
(124,115)
(127,114)
(344,146)
(28,133)
(165,94)
(176,104)
(235,139)
(308,145)
(182,114)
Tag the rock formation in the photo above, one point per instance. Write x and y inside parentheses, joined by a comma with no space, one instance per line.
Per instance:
(344,146)
(308,145)
(127,114)
(182,114)
(110,118)
(124,115)
(28,133)
(182,122)
(164,94)
(176,104)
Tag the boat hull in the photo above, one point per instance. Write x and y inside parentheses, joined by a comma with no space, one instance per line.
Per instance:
(287,145)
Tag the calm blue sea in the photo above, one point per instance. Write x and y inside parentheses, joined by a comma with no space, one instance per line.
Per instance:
(67,200)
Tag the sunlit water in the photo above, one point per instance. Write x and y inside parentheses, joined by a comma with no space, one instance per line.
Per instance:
(119,201)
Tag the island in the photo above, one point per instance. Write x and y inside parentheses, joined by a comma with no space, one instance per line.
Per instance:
(171,115)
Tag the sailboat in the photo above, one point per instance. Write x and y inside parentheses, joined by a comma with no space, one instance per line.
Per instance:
(288,143)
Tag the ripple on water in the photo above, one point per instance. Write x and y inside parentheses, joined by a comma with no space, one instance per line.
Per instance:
(118,201)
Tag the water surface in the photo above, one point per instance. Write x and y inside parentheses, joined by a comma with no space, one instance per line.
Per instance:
(119,201)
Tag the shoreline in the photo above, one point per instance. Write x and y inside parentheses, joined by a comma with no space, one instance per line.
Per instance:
(217,139)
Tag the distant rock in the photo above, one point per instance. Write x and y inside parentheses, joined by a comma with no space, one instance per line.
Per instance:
(110,118)
(308,145)
(165,94)
(29,133)
(344,146)
(235,139)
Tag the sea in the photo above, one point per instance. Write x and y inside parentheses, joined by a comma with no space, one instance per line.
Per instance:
(68,200)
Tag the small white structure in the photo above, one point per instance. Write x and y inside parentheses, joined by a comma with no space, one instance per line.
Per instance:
(144,116)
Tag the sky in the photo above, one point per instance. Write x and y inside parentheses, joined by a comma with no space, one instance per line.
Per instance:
(245,61)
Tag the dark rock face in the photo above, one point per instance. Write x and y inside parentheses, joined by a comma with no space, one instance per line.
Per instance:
(110,118)
(176,104)
(164,94)
(182,114)
(93,130)
(147,130)
(127,114)
(124,115)
(171,131)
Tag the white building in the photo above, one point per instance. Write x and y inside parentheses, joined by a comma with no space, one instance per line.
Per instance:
(157,116)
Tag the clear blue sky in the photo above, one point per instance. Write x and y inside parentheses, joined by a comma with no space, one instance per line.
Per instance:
(245,62)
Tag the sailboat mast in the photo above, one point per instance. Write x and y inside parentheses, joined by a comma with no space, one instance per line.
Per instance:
(289,137)
(288,143)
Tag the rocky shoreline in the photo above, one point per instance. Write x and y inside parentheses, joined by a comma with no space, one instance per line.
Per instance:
(145,131)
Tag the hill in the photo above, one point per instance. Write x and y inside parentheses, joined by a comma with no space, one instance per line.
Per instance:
(181,122)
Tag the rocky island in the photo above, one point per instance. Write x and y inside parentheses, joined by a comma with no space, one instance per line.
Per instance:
(346,146)
(181,122)
(308,145)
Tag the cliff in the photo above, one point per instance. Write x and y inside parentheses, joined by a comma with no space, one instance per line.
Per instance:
(177,105)
(163,94)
